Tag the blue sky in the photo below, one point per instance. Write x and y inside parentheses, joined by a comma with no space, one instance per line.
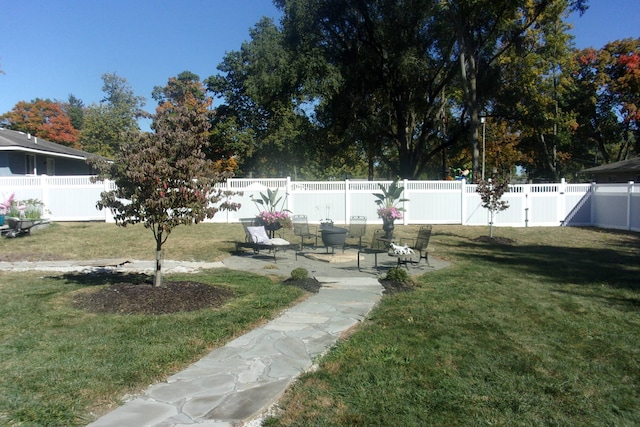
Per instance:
(50,49)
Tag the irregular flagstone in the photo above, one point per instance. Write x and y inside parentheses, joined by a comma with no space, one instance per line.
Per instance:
(237,382)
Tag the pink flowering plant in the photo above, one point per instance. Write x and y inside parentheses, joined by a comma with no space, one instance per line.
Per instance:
(29,209)
(270,214)
(273,218)
(5,207)
(388,200)
(390,214)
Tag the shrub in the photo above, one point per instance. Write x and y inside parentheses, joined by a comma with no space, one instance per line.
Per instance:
(299,273)
(397,274)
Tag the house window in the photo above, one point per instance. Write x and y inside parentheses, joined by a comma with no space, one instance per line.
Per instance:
(30,164)
(51,166)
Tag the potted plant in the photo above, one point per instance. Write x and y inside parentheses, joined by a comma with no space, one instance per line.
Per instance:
(387,206)
(271,216)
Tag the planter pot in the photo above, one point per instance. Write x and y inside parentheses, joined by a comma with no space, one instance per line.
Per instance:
(271,228)
(388,227)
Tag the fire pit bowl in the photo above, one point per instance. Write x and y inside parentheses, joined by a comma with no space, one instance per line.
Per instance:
(333,236)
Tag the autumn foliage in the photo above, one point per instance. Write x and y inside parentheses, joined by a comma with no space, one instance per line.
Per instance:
(45,119)
(163,178)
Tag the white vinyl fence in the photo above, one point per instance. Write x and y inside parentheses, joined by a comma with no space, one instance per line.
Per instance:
(73,198)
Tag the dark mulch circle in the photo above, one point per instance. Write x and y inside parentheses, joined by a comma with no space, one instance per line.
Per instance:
(143,298)
(395,286)
(310,284)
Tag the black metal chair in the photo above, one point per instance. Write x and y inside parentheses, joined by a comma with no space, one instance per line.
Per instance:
(378,246)
(357,228)
(302,229)
(421,243)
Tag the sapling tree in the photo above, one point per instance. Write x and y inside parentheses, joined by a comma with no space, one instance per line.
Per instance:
(163,179)
(491,192)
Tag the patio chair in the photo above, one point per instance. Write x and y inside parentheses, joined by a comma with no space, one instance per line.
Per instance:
(420,244)
(302,229)
(256,238)
(246,223)
(357,228)
(378,246)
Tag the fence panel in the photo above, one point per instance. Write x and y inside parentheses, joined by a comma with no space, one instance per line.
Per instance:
(634,209)
(433,202)
(73,198)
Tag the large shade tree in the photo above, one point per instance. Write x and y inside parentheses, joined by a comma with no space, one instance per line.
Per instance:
(260,121)
(532,97)
(606,101)
(385,70)
(106,125)
(164,178)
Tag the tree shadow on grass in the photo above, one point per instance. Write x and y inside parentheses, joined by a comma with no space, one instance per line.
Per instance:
(100,278)
(615,267)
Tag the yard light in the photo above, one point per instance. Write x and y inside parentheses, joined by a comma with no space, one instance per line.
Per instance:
(483,121)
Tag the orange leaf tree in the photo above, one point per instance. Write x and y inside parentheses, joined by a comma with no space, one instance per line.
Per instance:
(43,118)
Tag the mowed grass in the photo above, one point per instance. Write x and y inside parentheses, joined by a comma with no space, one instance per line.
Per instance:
(544,332)
(60,366)
(97,240)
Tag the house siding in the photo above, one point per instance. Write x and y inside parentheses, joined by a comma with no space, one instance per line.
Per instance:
(14,164)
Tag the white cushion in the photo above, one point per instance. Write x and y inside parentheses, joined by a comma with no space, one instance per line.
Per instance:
(277,241)
(258,234)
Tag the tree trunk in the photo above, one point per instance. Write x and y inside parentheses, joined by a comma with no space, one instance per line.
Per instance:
(469,72)
(491,226)
(157,278)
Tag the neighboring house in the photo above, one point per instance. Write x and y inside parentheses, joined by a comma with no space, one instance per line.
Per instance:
(22,154)
(623,171)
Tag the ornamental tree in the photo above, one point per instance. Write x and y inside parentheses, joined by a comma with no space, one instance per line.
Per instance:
(491,192)
(164,179)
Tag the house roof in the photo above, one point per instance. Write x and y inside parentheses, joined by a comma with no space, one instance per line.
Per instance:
(11,140)
(631,165)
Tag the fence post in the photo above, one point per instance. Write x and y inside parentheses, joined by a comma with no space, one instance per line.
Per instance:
(287,193)
(406,205)
(629,199)
(44,184)
(527,204)
(592,190)
(562,189)
(347,205)
(108,216)
(463,202)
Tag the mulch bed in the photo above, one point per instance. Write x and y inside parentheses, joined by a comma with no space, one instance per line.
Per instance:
(309,284)
(394,286)
(142,298)
(174,296)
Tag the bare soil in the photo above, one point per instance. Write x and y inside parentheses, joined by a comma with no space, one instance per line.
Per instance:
(395,286)
(143,298)
(135,296)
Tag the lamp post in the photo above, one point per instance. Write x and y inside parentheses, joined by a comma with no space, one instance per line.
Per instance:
(483,121)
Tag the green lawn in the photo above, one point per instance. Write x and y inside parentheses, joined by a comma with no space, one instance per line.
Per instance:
(62,367)
(542,332)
